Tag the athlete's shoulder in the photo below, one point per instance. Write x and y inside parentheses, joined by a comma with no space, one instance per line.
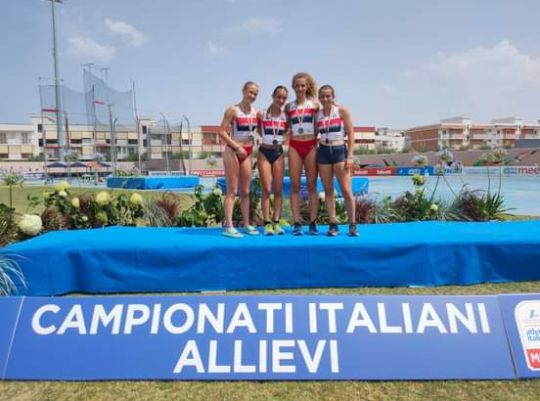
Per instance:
(342,110)
(315,103)
(232,109)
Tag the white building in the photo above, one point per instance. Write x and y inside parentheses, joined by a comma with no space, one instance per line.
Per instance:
(18,141)
(391,139)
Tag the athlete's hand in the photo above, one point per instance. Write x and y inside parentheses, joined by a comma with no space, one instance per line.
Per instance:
(349,164)
(241,153)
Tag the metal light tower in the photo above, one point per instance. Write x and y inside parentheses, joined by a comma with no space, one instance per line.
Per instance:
(58,97)
(190,139)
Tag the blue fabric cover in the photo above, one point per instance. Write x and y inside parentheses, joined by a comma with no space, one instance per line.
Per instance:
(154,182)
(359,185)
(129,259)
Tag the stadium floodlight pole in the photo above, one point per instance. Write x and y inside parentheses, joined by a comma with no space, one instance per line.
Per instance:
(88,66)
(59,124)
(167,133)
(112,124)
(43,131)
(190,139)
(105,72)
(137,126)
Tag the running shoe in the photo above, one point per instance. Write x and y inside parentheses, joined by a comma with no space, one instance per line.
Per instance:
(352,230)
(313,228)
(251,230)
(278,230)
(232,232)
(297,229)
(269,229)
(333,230)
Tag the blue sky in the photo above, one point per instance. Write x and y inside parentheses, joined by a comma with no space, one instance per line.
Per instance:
(393,63)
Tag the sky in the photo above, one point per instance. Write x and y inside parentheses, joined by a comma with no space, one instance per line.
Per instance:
(393,63)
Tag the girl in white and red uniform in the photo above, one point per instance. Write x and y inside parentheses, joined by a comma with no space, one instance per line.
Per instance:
(271,163)
(241,120)
(301,116)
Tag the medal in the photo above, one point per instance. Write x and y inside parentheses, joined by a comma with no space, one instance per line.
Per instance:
(275,129)
(300,119)
(328,125)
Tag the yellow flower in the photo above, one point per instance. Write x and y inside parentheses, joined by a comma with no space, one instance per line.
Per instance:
(30,224)
(434,208)
(102,218)
(217,191)
(62,194)
(75,203)
(46,195)
(418,180)
(61,186)
(103,198)
(136,199)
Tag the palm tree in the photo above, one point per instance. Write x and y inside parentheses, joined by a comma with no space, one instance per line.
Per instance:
(9,270)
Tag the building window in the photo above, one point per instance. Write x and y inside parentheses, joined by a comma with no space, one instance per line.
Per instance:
(25,138)
(3,138)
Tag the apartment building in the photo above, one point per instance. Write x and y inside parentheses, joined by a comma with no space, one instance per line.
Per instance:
(18,141)
(391,139)
(462,133)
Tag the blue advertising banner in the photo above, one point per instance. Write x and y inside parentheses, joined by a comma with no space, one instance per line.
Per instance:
(9,312)
(429,170)
(260,338)
(521,315)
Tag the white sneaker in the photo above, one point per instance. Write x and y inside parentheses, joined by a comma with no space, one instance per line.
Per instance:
(232,232)
(251,230)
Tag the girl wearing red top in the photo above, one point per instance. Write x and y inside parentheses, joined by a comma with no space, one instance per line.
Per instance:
(301,115)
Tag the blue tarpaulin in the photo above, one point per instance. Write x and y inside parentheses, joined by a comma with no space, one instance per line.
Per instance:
(130,259)
(154,182)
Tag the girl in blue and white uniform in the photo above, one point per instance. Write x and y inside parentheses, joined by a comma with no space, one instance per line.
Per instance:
(335,156)
(270,161)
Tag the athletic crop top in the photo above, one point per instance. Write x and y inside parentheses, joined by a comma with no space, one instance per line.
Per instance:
(244,125)
(330,127)
(302,118)
(273,128)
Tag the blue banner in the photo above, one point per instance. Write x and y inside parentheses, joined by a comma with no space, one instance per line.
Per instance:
(428,170)
(9,313)
(359,186)
(521,315)
(259,338)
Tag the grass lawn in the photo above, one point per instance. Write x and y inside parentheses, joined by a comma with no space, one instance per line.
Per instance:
(526,390)
(20,195)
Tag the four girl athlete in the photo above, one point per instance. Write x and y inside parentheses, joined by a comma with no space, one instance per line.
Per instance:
(303,121)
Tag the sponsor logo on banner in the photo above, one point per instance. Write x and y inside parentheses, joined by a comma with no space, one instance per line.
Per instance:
(530,171)
(527,315)
(208,173)
(415,170)
(373,171)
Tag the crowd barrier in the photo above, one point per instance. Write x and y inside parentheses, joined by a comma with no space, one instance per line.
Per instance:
(528,171)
